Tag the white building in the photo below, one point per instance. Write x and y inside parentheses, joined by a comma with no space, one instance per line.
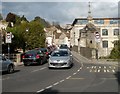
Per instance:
(108,30)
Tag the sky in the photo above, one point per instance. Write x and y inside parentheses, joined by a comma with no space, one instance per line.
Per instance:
(62,12)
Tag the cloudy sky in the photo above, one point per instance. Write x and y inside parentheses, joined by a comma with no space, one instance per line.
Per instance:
(62,12)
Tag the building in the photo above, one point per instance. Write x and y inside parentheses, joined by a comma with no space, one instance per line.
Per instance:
(107,29)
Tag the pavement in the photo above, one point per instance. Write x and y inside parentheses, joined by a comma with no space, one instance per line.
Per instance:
(86,60)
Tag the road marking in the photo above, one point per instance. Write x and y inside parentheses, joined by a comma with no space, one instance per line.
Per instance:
(87,67)
(49,87)
(109,78)
(56,83)
(104,70)
(77,78)
(113,70)
(62,81)
(78,70)
(100,67)
(98,70)
(105,67)
(74,73)
(90,70)
(40,90)
(92,67)
(68,77)
(114,67)
(108,71)
(95,70)
(39,69)
(95,67)
(110,67)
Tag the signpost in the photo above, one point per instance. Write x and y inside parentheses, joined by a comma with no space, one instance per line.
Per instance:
(97,39)
(8,40)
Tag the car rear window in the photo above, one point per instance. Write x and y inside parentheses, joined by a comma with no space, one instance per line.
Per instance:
(60,53)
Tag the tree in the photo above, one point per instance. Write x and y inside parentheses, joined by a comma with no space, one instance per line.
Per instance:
(115,53)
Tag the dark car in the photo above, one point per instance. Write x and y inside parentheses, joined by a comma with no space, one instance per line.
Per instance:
(45,51)
(7,65)
(34,57)
(64,46)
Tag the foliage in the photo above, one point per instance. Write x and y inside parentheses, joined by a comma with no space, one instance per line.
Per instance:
(115,53)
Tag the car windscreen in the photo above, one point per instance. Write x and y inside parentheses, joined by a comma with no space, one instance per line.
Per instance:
(59,53)
(31,52)
(43,49)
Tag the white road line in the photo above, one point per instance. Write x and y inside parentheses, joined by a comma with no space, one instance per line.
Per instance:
(92,67)
(87,67)
(74,73)
(100,67)
(68,77)
(49,87)
(105,67)
(95,67)
(90,70)
(40,90)
(113,70)
(108,71)
(114,67)
(98,70)
(62,81)
(110,67)
(95,70)
(39,69)
(104,70)
(56,83)
(78,70)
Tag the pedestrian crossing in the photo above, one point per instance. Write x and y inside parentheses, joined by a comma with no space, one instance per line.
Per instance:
(105,69)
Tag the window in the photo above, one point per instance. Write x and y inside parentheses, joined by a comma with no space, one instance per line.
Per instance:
(99,21)
(105,44)
(81,22)
(116,32)
(104,32)
(114,21)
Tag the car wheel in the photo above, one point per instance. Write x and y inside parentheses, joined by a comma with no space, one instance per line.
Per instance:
(10,69)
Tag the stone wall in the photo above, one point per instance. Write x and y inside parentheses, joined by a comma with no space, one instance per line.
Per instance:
(89,53)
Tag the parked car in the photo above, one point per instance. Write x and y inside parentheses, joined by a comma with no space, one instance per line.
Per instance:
(61,58)
(34,57)
(7,65)
(45,51)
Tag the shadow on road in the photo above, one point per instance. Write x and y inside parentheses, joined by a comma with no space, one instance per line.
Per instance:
(49,91)
(15,71)
(117,74)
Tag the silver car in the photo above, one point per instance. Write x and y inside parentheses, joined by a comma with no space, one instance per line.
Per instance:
(61,58)
(6,65)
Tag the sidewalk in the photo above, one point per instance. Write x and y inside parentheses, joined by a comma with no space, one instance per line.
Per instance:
(86,60)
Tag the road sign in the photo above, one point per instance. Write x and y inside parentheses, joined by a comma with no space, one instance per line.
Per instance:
(8,37)
(97,37)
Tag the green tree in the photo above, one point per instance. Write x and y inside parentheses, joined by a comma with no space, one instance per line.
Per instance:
(115,53)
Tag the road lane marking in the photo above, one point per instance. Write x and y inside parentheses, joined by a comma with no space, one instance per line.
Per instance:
(78,70)
(100,67)
(40,90)
(62,81)
(77,78)
(56,83)
(95,70)
(39,69)
(108,71)
(68,77)
(90,70)
(110,67)
(105,67)
(6,78)
(108,78)
(74,73)
(113,70)
(98,70)
(49,87)
(104,70)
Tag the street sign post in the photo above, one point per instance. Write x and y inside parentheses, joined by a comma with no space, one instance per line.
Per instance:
(8,40)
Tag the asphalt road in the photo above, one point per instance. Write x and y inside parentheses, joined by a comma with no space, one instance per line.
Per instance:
(82,77)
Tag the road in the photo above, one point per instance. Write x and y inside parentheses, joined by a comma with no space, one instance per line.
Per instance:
(82,77)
